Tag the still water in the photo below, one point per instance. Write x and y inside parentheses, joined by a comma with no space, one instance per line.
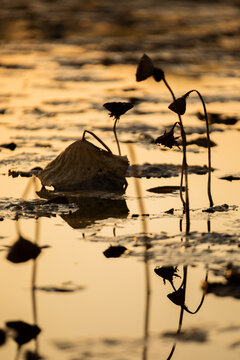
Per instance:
(85,305)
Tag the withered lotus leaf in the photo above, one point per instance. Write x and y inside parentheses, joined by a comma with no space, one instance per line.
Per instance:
(23,250)
(84,166)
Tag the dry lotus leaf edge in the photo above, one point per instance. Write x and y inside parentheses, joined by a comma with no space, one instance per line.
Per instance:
(82,165)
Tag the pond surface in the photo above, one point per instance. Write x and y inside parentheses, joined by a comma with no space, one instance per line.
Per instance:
(127,303)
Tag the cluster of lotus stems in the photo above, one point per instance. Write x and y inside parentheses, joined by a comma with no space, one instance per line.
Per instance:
(145,70)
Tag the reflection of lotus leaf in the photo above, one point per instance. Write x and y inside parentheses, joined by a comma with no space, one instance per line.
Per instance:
(83,165)
(91,207)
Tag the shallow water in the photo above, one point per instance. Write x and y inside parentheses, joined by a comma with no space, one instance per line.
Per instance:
(52,88)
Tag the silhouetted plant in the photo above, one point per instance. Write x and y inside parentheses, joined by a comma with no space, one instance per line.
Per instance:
(179,107)
(146,69)
(168,139)
(116,110)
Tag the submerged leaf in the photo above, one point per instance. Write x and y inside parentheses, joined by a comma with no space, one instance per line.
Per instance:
(23,250)
(117,108)
(24,332)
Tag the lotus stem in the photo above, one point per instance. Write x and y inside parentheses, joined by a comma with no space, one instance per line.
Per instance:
(115,134)
(184,165)
(96,137)
(208,143)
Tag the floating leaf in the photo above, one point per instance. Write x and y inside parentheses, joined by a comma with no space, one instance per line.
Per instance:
(114,251)
(118,108)
(24,332)
(11,146)
(23,250)
(165,189)
(178,106)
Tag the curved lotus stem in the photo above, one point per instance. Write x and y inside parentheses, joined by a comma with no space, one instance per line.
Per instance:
(115,134)
(96,137)
(184,165)
(208,143)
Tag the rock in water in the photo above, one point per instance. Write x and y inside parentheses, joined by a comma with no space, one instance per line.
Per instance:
(83,165)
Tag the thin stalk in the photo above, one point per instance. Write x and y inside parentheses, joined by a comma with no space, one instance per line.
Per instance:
(184,165)
(142,210)
(208,143)
(96,137)
(115,134)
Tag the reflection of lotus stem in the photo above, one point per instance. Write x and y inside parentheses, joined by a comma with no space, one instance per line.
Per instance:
(115,134)
(146,257)
(184,165)
(208,143)
(34,271)
(184,283)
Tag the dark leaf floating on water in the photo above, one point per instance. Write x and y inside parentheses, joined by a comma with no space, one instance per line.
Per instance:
(15,173)
(23,250)
(2,337)
(24,331)
(165,189)
(114,251)
(162,170)
(68,288)
(117,108)
(216,118)
(11,146)
(190,335)
(201,141)
(167,273)
(217,208)
(230,177)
